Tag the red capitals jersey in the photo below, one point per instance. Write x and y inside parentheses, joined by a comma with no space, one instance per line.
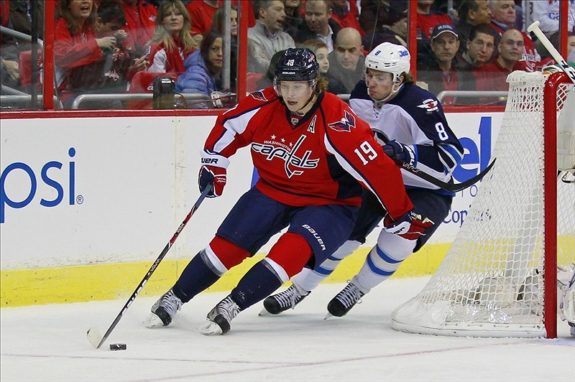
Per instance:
(316,162)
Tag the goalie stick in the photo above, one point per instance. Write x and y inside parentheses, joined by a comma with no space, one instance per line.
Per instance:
(453,187)
(534,28)
(567,69)
(93,334)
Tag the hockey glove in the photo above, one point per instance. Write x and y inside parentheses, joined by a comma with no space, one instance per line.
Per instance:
(213,171)
(399,152)
(410,226)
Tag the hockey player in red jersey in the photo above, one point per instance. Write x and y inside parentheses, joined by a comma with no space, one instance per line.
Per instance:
(412,127)
(312,154)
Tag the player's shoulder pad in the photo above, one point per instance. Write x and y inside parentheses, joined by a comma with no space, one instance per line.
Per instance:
(418,101)
(339,116)
(253,101)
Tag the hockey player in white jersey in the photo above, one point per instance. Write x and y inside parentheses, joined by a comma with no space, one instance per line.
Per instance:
(410,124)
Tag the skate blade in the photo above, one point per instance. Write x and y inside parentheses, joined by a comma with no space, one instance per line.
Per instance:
(94,337)
(328,316)
(210,328)
(153,322)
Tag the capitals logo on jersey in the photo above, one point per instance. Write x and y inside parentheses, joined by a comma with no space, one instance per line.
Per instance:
(292,162)
(346,123)
(429,105)
(258,95)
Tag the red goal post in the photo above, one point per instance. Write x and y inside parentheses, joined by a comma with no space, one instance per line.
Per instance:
(499,278)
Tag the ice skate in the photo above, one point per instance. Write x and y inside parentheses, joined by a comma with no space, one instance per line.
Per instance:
(280,302)
(220,317)
(163,311)
(344,300)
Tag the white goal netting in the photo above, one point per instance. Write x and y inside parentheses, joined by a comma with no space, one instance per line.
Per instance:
(491,283)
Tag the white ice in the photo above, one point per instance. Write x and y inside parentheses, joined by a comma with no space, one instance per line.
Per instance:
(48,343)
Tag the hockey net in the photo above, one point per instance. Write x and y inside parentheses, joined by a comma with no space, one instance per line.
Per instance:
(499,277)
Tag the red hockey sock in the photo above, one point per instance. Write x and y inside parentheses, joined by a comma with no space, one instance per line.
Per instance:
(292,252)
(229,254)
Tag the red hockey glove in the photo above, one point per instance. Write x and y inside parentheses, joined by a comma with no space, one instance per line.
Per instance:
(410,226)
(213,171)
(399,152)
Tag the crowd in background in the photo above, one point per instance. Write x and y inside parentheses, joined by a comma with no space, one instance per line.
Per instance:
(121,46)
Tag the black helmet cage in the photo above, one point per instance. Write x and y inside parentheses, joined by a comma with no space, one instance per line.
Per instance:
(296,64)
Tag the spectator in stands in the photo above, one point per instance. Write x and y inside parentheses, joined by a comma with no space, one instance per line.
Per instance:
(510,50)
(479,48)
(346,62)
(439,71)
(503,18)
(294,19)
(471,13)
(218,27)
(371,14)
(478,52)
(267,36)
(571,49)
(218,22)
(319,48)
(427,19)
(202,13)
(268,79)
(547,13)
(391,27)
(140,24)
(570,45)
(77,49)
(203,70)
(346,14)
(318,24)
(16,15)
(172,41)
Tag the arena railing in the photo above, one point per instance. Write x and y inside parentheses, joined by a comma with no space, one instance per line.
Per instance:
(472,94)
(86,98)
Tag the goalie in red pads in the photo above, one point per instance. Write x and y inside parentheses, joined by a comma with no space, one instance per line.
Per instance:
(313,156)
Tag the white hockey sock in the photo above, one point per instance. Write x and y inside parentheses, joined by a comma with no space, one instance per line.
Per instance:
(309,279)
(383,260)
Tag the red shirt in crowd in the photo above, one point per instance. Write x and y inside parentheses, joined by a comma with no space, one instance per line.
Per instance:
(493,76)
(202,14)
(349,18)
(140,24)
(75,50)
(530,56)
(426,23)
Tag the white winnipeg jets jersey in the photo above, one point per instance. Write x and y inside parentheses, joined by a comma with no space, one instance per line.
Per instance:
(413,117)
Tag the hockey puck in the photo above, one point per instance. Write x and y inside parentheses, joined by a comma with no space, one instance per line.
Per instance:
(118,346)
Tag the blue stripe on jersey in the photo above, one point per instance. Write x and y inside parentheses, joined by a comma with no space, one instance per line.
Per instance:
(322,271)
(375,269)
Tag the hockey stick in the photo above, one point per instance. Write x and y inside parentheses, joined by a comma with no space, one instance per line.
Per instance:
(567,69)
(93,335)
(453,187)
(552,51)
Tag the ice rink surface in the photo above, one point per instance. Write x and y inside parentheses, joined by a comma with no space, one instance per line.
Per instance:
(48,343)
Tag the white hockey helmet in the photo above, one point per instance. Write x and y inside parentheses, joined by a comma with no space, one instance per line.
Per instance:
(390,58)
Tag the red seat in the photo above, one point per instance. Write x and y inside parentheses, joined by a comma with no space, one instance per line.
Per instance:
(25,66)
